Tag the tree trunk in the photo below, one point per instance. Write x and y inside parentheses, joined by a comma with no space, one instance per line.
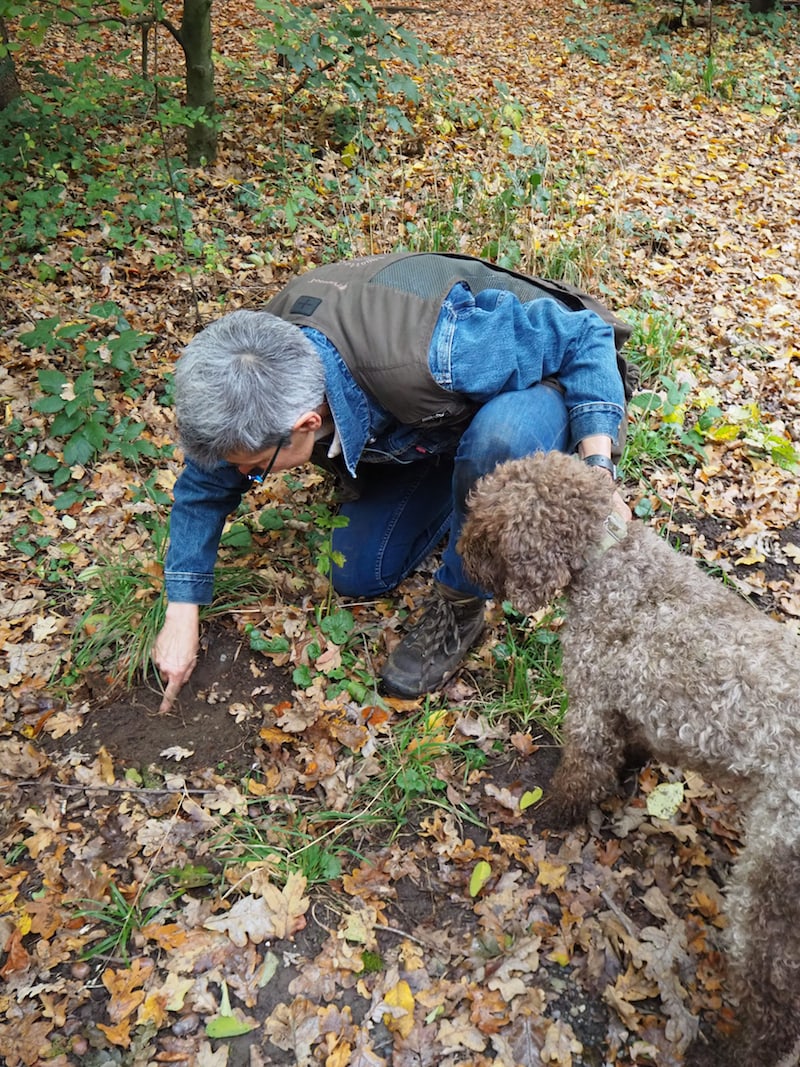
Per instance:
(201,139)
(9,86)
(761,7)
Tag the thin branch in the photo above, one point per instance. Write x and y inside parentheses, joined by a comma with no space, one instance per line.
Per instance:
(137,790)
(120,20)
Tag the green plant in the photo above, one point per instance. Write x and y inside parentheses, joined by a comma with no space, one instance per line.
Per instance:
(66,166)
(572,261)
(742,57)
(529,668)
(126,606)
(311,845)
(326,559)
(82,402)
(658,431)
(666,425)
(657,341)
(126,610)
(366,53)
(410,767)
(122,915)
(333,654)
(597,48)
(747,423)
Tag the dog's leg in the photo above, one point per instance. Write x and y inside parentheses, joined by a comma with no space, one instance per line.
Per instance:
(764,934)
(591,759)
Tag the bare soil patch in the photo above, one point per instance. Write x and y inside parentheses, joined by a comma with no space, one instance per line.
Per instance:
(215,720)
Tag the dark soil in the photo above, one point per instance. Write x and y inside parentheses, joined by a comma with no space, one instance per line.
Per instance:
(230,682)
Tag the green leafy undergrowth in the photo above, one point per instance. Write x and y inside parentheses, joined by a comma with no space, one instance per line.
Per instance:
(527,660)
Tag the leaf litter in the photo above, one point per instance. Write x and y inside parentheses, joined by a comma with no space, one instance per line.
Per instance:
(482,941)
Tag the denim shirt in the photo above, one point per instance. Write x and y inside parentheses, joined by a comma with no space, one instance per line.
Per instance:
(482,346)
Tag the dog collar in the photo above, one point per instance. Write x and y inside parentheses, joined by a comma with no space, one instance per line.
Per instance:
(616,530)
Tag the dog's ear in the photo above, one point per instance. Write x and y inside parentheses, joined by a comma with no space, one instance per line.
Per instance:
(478,547)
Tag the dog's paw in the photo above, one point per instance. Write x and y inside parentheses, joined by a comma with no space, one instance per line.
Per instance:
(731,1051)
(700,1055)
(562,813)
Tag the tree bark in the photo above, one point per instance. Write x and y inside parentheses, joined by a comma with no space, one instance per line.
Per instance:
(761,7)
(196,38)
(9,86)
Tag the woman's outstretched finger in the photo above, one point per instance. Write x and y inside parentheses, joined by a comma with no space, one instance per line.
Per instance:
(170,696)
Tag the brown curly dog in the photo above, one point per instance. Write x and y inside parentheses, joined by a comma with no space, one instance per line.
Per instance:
(660,656)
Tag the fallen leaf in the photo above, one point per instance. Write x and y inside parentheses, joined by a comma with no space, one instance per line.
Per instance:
(401,1020)
(176,752)
(249,919)
(530,796)
(226,1023)
(665,800)
(481,873)
(19,759)
(287,906)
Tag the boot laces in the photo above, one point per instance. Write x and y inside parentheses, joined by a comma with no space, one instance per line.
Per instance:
(438,630)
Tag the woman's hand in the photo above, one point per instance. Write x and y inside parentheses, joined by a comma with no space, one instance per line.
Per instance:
(175,650)
(621,508)
(599,445)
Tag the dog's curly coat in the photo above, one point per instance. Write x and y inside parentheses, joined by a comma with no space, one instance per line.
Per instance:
(658,655)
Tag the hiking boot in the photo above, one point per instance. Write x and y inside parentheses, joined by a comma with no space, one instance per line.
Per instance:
(434,647)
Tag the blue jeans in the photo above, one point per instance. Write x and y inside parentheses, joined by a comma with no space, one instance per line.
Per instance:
(405,510)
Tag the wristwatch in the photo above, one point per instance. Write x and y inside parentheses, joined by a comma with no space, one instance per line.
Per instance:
(602,461)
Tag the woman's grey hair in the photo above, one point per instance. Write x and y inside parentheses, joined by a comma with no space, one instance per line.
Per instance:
(242,383)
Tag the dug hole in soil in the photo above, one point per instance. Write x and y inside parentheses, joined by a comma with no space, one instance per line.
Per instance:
(213,724)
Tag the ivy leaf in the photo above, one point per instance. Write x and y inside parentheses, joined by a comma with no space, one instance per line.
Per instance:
(530,796)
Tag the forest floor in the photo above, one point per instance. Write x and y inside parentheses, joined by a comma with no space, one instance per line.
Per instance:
(270,875)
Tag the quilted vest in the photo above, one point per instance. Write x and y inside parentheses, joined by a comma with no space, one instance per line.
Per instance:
(380,313)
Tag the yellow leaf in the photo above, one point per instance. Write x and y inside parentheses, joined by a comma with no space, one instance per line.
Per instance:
(119,1034)
(123,985)
(752,557)
(481,874)
(530,796)
(551,875)
(153,1010)
(436,719)
(725,432)
(402,1000)
(665,799)
(258,789)
(340,1057)
(169,935)
(106,765)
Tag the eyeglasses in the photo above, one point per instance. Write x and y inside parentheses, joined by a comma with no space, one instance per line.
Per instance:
(258,478)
